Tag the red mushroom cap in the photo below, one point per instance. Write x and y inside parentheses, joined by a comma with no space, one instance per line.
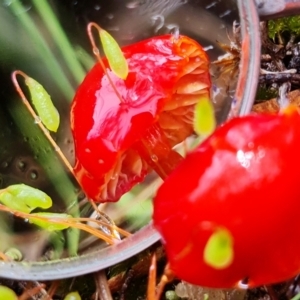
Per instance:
(244,179)
(166,78)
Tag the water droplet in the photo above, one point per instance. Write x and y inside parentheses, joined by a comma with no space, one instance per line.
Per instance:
(68,141)
(261,152)
(33,175)
(97,7)
(210,47)
(243,284)
(7,2)
(37,120)
(21,165)
(96,51)
(154,158)
(87,150)
(4,165)
(211,5)
(101,161)
(110,16)
(25,8)
(225,13)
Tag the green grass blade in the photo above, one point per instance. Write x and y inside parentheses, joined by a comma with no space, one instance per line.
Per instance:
(60,39)
(47,56)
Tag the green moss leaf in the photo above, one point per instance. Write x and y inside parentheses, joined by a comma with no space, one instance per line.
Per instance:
(275,27)
(290,25)
(114,54)
(24,198)
(293,24)
(218,252)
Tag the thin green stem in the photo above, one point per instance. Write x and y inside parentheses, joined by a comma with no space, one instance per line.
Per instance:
(47,56)
(296,297)
(59,36)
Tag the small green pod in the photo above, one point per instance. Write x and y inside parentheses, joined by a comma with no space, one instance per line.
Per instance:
(24,198)
(204,117)
(114,54)
(73,296)
(218,252)
(50,224)
(7,293)
(42,102)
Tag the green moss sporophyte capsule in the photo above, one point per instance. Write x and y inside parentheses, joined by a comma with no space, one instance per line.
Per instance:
(43,104)
(114,54)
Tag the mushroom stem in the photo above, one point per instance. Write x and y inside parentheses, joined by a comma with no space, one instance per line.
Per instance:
(155,148)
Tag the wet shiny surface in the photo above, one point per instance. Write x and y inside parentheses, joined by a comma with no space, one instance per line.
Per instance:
(241,179)
(162,72)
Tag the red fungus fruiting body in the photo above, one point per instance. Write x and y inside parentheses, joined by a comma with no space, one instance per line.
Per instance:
(245,179)
(119,139)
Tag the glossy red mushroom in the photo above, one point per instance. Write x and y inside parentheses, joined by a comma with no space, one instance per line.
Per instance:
(119,139)
(229,212)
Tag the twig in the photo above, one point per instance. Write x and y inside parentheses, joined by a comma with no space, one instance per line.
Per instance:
(280,77)
(103,291)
